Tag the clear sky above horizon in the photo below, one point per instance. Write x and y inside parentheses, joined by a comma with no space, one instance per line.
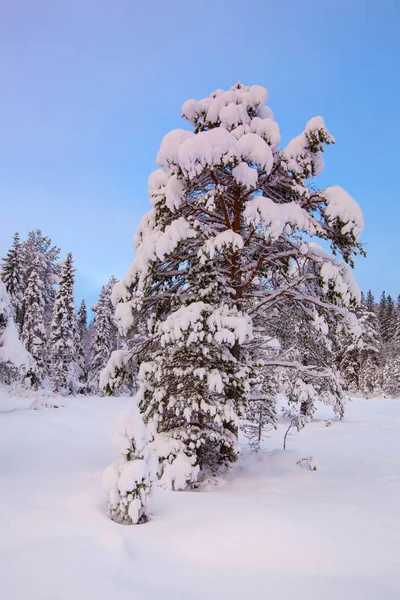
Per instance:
(89,88)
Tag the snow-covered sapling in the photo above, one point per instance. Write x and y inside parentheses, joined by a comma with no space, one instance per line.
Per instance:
(309,462)
(258,422)
(130,479)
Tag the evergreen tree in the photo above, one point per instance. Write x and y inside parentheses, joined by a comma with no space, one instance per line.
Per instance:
(389,321)
(81,337)
(370,354)
(224,248)
(64,370)
(370,302)
(360,362)
(129,481)
(104,335)
(391,377)
(382,311)
(12,275)
(39,246)
(34,330)
(396,336)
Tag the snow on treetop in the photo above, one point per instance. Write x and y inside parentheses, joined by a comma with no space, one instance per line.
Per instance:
(340,205)
(229,108)
(207,148)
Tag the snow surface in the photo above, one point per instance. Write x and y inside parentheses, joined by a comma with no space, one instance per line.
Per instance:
(269,529)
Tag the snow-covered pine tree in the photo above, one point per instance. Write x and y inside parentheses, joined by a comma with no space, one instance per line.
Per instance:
(370,361)
(260,412)
(82,319)
(104,335)
(389,321)
(382,311)
(81,344)
(15,360)
(370,302)
(360,362)
(34,330)
(227,244)
(391,377)
(396,337)
(130,479)
(12,275)
(41,246)
(64,369)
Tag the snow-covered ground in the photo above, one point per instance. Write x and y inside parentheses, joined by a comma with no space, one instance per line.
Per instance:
(270,529)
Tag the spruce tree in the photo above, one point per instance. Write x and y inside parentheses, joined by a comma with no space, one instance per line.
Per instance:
(104,335)
(64,370)
(225,248)
(12,275)
(370,302)
(40,246)
(81,342)
(382,311)
(34,330)
(389,322)
(370,354)
(391,377)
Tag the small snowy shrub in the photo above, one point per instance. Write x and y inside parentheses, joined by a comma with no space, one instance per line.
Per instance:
(258,422)
(129,480)
(309,462)
(15,360)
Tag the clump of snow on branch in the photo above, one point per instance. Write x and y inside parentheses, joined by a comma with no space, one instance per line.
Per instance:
(340,205)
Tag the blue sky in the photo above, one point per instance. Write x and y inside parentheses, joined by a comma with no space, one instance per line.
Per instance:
(89,87)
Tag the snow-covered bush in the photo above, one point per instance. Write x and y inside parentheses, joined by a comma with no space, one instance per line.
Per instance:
(15,360)
(309,462)
(130,479)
